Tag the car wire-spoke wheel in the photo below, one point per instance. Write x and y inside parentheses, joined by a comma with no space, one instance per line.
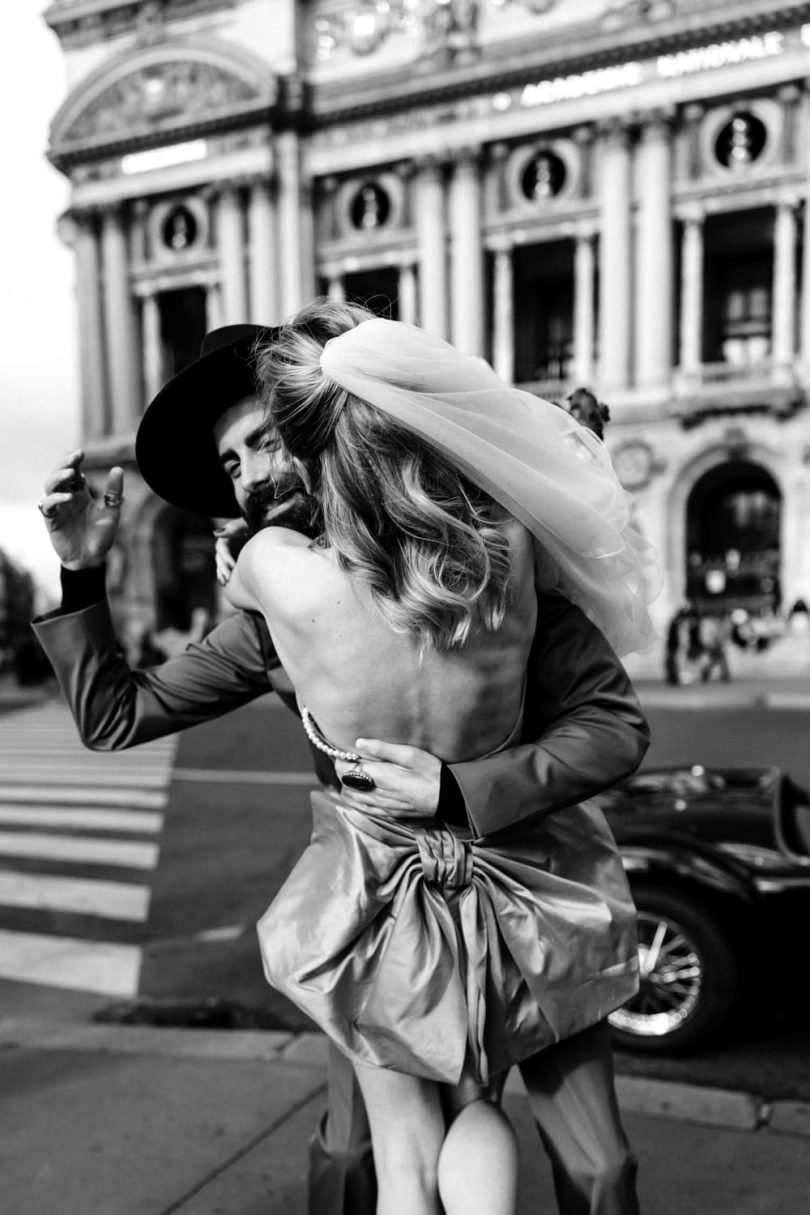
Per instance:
(688,975)
(670,979)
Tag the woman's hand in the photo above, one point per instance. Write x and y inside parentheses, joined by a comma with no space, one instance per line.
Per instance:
(406,779)
(230,540)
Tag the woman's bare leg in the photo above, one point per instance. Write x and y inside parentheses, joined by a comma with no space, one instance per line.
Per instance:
(478,1161)
(407,1131)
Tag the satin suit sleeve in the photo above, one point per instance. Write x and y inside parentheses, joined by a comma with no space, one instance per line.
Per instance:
(583,730)
(116,707)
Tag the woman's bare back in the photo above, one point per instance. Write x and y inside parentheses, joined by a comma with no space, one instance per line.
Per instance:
(360,679)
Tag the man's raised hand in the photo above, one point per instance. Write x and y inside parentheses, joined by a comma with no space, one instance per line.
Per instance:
(82,530)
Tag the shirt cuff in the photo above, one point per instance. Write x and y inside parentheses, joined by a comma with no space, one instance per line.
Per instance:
(82,588)
(452,808)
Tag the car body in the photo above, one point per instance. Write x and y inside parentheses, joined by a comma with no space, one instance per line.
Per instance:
(718,861)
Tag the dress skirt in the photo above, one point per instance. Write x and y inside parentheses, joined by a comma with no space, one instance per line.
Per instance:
(418,948)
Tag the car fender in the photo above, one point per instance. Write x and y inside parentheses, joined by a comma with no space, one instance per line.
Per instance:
(687,863)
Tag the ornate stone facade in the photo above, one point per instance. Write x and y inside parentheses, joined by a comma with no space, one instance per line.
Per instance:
(585,192)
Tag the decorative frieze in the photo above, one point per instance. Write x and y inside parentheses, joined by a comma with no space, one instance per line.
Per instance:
(82,22)
(157,94)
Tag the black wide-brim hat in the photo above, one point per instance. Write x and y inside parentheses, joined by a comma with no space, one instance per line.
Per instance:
(174,446)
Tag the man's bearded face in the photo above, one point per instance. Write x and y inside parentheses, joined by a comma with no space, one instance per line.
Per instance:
(266,487)
(281,502)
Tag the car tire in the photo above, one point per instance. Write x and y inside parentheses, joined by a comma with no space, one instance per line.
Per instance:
(690,978)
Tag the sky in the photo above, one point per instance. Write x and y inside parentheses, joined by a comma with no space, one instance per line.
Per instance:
(39,392)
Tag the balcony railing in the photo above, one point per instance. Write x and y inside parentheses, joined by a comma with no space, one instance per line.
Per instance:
(720,386)
(549,390)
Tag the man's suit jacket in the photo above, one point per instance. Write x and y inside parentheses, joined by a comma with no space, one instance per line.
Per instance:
(583,731)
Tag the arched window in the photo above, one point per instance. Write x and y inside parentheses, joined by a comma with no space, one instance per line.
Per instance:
(733,539)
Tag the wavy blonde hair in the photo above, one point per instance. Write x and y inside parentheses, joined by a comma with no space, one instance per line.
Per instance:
(425,539)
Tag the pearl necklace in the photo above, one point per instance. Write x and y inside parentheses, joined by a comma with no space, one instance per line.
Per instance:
(317,739)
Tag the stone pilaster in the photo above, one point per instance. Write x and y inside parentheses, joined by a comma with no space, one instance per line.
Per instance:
(584,308)
(503,313)
(466,254)
(124,361)
(263,236)
(784,285)
(152,353)
(432,244)
(691,320)
(292,229)
(232,256)
(92,358)
(408,306)
(615,258)
(654,257)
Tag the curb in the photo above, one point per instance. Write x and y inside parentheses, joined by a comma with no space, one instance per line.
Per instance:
(726,1108)
(664,698)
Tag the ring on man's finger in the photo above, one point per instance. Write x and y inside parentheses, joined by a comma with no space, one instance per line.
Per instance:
(357,778)
(46,512)
(113,499)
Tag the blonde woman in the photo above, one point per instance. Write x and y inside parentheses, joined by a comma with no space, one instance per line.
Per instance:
(434,958)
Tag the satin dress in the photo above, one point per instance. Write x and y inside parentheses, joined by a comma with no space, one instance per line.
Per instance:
(417,947)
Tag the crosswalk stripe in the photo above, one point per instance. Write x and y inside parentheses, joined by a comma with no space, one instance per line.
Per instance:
(63,795)
(76,776)
(86,896)
(69,740)
(62,805)
(142,821)
(243,776)
(69,962)
(122,853)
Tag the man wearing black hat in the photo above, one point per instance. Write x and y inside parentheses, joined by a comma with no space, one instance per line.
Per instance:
(202,445)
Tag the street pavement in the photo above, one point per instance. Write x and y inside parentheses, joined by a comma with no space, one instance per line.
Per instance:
(121,1120)
(138,1121)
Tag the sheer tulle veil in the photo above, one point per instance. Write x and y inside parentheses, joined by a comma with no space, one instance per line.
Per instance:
(552,474)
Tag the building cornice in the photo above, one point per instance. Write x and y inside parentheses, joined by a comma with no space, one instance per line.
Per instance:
(511,65)
(82,22)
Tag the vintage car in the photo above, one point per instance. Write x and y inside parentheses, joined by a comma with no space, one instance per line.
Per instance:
(719,864)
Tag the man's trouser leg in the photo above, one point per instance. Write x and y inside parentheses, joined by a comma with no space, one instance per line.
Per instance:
(573,1099)
(341,1166)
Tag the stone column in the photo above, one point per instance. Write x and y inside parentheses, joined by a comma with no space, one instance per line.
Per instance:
(615,259)
(213,307)
(290,227)
(92,369)
(138,232)
(466,255)
(584,308)
(119,322)
(264,309)
(152,350)
(408,310)
(691,352)
(692,119)
(784,285)
(503,313)
(654,257)
(804,321)
(335,288)
(430,234)
(231,242)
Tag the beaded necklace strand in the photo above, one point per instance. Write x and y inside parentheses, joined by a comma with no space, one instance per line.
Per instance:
(317,739)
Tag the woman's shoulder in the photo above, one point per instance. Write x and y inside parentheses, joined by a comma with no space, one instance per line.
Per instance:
(272,556)
(273,540)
